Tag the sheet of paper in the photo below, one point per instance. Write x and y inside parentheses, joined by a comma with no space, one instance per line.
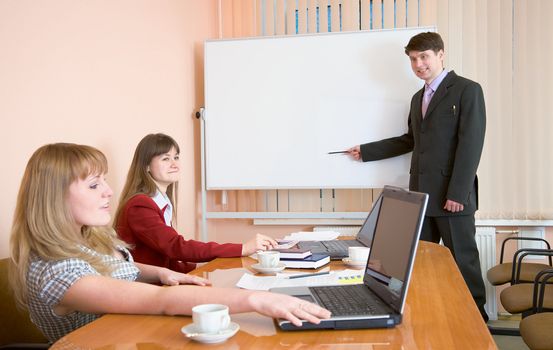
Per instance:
(249,281)
(312,236)
(282,244)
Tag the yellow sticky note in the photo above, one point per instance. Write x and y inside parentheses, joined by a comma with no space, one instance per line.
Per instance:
(354,279)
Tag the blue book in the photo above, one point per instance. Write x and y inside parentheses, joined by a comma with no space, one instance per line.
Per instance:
(311,262)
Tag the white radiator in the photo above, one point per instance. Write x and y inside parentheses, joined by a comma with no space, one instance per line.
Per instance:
(485,240)
(344,230)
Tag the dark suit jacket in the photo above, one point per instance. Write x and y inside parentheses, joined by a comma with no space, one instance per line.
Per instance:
(141,224)
(446,145)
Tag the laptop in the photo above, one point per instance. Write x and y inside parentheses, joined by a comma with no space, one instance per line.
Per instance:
(379,301)
(337,249)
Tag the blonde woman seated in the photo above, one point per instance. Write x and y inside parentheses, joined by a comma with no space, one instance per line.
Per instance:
(145,216)
(69,268)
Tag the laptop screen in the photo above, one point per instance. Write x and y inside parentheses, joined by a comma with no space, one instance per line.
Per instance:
(394,244)
(366,232)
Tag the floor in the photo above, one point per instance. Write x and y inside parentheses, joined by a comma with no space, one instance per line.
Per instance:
(507,342)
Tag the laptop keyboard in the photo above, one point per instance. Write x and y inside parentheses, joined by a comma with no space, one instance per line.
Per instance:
(339,246)
(349,300)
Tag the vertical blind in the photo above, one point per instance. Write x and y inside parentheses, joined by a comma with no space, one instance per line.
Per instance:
(502,44)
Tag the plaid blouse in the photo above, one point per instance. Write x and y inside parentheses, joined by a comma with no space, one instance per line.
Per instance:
(47,282)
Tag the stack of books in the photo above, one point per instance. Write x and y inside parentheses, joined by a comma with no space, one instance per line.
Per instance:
(293,253)
(302,258)
(313,261)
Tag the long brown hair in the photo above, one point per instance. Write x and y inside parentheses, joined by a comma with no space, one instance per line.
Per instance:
(43,224)
(139,180)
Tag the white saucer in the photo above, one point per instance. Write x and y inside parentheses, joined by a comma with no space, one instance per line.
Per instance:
(357,264)
(259,268)
(219,337)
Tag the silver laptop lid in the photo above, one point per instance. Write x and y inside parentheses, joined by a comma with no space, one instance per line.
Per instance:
(366,232)
(394,244)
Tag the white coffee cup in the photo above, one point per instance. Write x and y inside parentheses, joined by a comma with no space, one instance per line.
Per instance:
(268,258)
(358,253)
(210,318)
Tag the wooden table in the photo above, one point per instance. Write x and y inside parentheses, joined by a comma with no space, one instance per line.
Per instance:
(439,314)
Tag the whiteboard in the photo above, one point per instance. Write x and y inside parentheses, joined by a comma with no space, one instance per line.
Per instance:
(275,106)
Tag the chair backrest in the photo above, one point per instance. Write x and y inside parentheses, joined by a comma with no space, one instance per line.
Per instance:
(15,324)
(517,271)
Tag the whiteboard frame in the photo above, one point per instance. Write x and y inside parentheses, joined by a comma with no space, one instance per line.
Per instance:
(272,218)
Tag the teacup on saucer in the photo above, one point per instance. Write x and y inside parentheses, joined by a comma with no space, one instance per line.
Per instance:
(262,269)
(358,253)
(356,264)
(190,331)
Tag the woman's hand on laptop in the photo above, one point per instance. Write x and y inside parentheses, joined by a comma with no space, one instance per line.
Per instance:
(259,242)
(291,308)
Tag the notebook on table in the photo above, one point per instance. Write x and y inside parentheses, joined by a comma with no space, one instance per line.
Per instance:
(379,301)
(338,248)
(313,261)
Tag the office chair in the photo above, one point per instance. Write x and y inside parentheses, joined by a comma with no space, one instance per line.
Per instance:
(16,329)
(520,298)
(505,272)
(536,328)
(517,298)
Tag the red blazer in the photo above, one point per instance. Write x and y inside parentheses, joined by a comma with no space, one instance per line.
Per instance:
(141,224)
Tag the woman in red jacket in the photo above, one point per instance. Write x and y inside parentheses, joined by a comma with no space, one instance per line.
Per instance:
(147,210)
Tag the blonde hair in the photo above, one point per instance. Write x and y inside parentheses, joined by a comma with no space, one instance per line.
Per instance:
(139,180)
(43,224)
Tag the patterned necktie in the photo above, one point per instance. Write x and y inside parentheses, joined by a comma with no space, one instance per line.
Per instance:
(428,93)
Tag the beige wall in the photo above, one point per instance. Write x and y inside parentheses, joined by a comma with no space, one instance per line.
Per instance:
(106,73)
(103,73)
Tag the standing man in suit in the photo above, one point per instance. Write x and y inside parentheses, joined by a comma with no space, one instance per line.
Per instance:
(446,127)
